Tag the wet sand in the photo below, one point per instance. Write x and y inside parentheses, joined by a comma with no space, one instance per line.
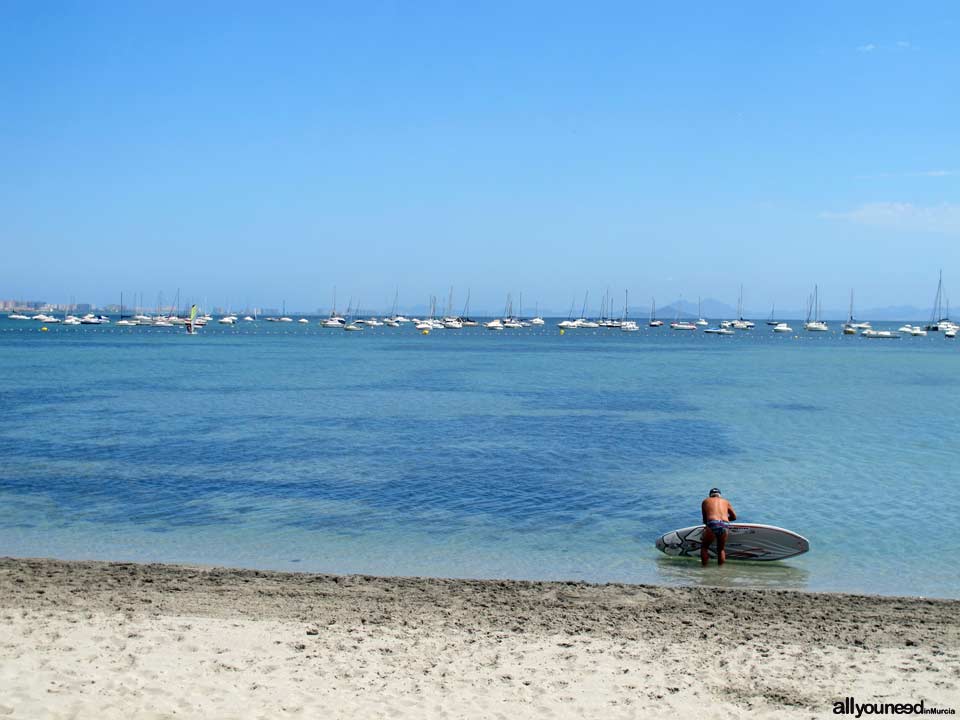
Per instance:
(120,640)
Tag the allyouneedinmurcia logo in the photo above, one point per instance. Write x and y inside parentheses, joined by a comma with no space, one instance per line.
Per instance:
(850,706)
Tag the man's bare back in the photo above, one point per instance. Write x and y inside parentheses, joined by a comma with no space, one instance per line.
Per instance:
(717,508)
(717,512)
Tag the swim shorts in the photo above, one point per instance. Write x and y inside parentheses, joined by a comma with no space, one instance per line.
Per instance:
(718,527)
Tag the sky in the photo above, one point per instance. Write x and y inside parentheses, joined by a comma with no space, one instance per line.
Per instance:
(258,153)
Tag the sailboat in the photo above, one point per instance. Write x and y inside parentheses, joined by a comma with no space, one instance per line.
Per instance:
(627,325)
(536,319)
(677,324)
(449,321)
(465,318)
(190,324)
(813,309)
(773,312)
(653,314)
(124,321)
(583,321)
(569,323)
(700,321)
(851,326)
(740,323)
(939,320)
(352,325)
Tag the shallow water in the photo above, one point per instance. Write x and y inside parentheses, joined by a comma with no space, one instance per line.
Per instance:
(468,453)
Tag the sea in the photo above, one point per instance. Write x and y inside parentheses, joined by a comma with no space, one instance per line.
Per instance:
(524,454)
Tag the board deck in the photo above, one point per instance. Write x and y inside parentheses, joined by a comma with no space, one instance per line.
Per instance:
(745,541)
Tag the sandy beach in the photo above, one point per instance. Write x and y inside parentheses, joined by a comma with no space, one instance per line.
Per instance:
(116,640)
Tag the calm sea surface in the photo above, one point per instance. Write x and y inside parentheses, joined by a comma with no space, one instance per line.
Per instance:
(521,454)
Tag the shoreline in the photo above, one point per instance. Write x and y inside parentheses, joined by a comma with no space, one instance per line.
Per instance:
(115,639)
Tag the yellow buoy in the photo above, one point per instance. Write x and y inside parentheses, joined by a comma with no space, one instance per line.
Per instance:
(44,329)
(562,331)
(424,332)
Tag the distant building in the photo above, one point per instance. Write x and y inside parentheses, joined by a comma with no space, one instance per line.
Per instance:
(83,307)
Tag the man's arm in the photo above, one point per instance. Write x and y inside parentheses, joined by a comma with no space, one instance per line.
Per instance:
(730,513)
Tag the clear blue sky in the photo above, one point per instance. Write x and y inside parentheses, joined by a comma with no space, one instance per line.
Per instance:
(268,151)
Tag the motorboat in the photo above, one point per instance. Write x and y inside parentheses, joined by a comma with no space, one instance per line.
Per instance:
(452,323)
(303,321)
(682,326)
(880,334)
(495,324)
(849,329)
(782,327)
(227,320)
(719,331)
(17,316)
(537,321)
(816,326)
(629,326)
(918,332)
(951,333)
(247,318)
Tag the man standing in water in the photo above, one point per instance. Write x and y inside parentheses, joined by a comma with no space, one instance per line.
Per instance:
(717,514)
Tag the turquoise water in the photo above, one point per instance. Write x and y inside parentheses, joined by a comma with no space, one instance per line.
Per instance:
(522,454)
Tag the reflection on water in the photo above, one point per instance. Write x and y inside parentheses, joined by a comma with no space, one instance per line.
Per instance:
(734,574)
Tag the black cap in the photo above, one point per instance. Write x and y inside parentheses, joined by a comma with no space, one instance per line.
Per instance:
(714,491)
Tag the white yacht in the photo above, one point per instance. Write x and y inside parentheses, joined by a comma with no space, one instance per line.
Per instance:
(719,331)
(880,334)
(682,325)
(303,321)
(950,332)
(782,327)
(918,332)
(227,320)
(452,323)
(247,318)
(495,324)
(629,326)
(334,321)
(352,327)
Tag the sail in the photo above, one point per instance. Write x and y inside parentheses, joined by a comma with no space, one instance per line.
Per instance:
(193,313)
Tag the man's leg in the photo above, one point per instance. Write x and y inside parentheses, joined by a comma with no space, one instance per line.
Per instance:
(705,541)
(721,548)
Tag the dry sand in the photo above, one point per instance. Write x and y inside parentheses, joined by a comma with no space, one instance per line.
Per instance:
(115,640)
